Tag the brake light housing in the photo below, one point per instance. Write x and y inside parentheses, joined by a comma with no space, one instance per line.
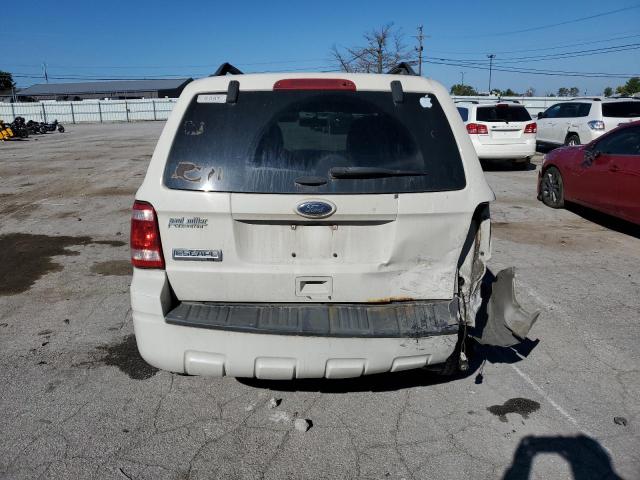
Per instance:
(146,248)
(477,129)
(531,128)
(314,84)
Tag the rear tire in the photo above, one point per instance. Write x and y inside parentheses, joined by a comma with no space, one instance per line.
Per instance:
(572,140)
(552,188)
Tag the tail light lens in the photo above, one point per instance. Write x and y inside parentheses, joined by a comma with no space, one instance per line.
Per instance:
(477,129)
(146,249)
(531,128)
(596,125)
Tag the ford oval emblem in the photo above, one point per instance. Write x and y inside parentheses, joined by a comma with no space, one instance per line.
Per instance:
(315,209)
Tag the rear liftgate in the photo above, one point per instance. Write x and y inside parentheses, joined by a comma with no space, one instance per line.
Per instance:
(489,307)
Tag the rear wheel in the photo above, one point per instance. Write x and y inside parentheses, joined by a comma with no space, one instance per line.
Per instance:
(572,140)
(552,188)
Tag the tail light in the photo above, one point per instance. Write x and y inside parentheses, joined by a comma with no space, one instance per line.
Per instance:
(596,125)
(531,128)
(477,129)
(146,249)
(314,84)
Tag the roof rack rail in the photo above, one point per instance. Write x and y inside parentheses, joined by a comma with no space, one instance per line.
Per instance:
(595,99)
(403,68)
(224,69)
(475,102)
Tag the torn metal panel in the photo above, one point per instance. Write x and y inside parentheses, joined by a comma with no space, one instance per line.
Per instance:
(488,304)
(501,321)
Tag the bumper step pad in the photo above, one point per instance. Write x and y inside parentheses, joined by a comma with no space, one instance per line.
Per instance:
(397,319)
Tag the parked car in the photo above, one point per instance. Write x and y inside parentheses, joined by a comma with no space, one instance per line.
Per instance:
(584,119)
(502,131)
(314,225)
(603,175)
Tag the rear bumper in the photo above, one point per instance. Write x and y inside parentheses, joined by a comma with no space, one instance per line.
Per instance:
(217,351)
(505,151)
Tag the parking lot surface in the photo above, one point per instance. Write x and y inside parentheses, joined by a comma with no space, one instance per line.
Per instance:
(77,401)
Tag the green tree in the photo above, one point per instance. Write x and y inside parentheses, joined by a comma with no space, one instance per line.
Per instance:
(463,90)
(563,92)
(6,81)
(574,91)
(608,91)
(632,86)
(509,93)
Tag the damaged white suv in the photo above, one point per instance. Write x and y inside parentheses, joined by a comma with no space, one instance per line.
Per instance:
(314,225)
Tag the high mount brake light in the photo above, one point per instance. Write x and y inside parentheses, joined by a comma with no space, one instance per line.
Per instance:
(531,128)
(477,129)
(146,249)
(314,84)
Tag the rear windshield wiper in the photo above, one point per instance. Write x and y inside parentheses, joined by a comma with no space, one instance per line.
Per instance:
(372,172)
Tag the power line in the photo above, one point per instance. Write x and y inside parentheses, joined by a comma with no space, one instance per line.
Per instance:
(551,25)
(535,72)
(560,55)
(540,49)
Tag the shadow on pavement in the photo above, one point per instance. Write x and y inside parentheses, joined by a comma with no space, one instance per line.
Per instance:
(604,220)
(506,166)
(587,459)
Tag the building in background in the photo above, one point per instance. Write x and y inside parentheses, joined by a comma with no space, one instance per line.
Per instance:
(117,89)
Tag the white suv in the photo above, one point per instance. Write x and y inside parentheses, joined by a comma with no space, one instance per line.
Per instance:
(584,119)
(314,225)
(500,131)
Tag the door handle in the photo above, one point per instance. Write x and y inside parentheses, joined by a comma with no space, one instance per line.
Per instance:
(614,168)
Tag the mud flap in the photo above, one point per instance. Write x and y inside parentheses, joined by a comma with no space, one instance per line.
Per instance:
(501,321)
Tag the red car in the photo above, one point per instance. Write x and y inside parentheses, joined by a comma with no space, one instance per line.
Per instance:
(603,175)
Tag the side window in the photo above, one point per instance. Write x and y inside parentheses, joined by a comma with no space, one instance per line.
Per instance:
(569,110)
(584,109)
(464,113)
(624,142)
(552,112)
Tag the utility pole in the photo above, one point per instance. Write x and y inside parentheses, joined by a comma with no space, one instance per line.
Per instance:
(44,72)
(490,57)
(462,81)
(420,48)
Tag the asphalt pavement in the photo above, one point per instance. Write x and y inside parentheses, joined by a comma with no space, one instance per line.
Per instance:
(77,401)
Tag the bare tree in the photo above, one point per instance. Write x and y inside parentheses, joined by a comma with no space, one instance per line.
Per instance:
(384,48)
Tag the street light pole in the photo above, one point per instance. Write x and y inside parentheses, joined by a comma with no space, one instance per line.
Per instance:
(490,57)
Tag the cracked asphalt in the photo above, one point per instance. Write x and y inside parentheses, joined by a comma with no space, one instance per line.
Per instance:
(76,401)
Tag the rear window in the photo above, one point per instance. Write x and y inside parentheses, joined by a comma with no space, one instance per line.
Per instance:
(621,109)
(464,113)
(269,139)
(502,113)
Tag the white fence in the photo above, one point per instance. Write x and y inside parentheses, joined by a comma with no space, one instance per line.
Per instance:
(95,111)
(98,111)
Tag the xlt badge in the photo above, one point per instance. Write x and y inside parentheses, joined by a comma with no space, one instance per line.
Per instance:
(197,255)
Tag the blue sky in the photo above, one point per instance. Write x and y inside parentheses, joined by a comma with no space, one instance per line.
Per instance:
(146,39)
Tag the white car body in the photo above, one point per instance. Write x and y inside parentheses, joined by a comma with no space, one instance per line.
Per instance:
(380,253)
(584,119)
(499,140)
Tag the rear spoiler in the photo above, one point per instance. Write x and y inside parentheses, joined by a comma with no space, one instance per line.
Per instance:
(403,68)
(226,68)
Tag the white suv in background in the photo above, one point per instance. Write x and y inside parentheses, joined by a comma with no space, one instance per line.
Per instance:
(582,120)
(502,131)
